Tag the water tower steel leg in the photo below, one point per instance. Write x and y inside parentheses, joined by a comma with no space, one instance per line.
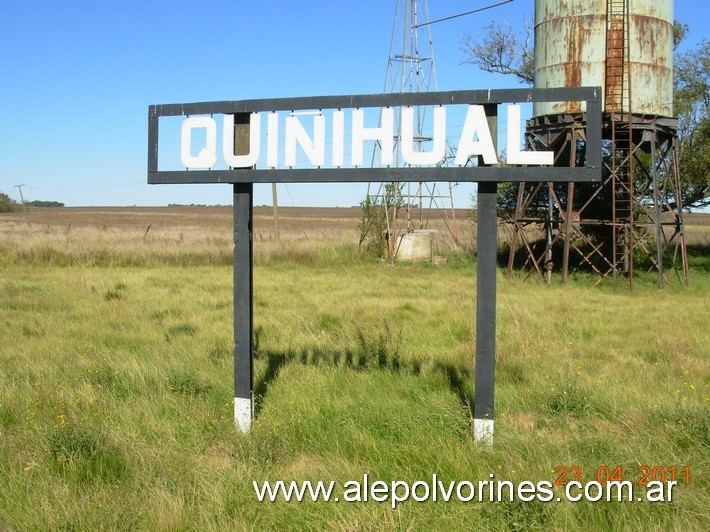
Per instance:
(548,233)
(570,209)
(632,213)
(519,210)
(485,313)
(568,232)
(243,319)
(657,211)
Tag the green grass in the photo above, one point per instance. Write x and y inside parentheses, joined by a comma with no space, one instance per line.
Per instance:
(116,394)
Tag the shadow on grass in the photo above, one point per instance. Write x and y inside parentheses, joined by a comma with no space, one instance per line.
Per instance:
(374,351)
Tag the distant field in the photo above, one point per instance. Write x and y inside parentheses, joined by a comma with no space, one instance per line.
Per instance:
(202,235)
(116,379)
(293,218)
(134,222)
(167,231)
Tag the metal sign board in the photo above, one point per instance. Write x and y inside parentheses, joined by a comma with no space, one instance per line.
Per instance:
(259,143)
(331,132)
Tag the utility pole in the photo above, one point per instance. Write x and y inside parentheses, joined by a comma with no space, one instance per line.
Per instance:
(22,198)
(276,211)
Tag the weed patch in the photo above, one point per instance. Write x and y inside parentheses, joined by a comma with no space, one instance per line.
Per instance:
(688,426)
(182,329)
(85,454)
(513,372)
(184,383)
(518,515)
(570,399)
(7,417)
(220,352)
(329,322)
(110,380)
(117,292)
(379,348)
(33,330)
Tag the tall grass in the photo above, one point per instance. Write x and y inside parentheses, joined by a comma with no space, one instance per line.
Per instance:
(116,394)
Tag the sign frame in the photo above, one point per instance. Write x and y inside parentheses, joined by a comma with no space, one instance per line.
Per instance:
(486,176)
(588,173)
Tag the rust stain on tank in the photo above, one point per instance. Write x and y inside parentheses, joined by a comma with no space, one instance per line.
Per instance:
(573,65)
(651,31)
(573,76)
(616,64)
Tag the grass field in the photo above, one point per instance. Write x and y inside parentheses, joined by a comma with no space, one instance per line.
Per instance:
(116,379)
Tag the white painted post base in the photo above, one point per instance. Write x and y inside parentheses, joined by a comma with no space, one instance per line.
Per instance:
(243,413)
(483,431)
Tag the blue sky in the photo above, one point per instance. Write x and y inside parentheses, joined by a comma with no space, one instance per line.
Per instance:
(78,77)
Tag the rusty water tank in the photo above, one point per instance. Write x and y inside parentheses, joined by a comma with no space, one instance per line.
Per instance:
(571,51)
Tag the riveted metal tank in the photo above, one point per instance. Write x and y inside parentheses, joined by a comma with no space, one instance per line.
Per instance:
(571,51)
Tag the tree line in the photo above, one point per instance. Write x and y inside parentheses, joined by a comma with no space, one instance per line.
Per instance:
(7,204)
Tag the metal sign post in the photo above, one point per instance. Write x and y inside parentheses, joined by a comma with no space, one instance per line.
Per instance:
(243,305)
(484,376)
(248,162)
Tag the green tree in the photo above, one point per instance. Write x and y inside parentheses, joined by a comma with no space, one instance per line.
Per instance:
(680,31)
(691,103)
(374,234)
(503,51)
(7,204)
(44,203)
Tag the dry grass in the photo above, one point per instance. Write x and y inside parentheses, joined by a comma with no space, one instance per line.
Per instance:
(697,230)
(189,235)
(192,236)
